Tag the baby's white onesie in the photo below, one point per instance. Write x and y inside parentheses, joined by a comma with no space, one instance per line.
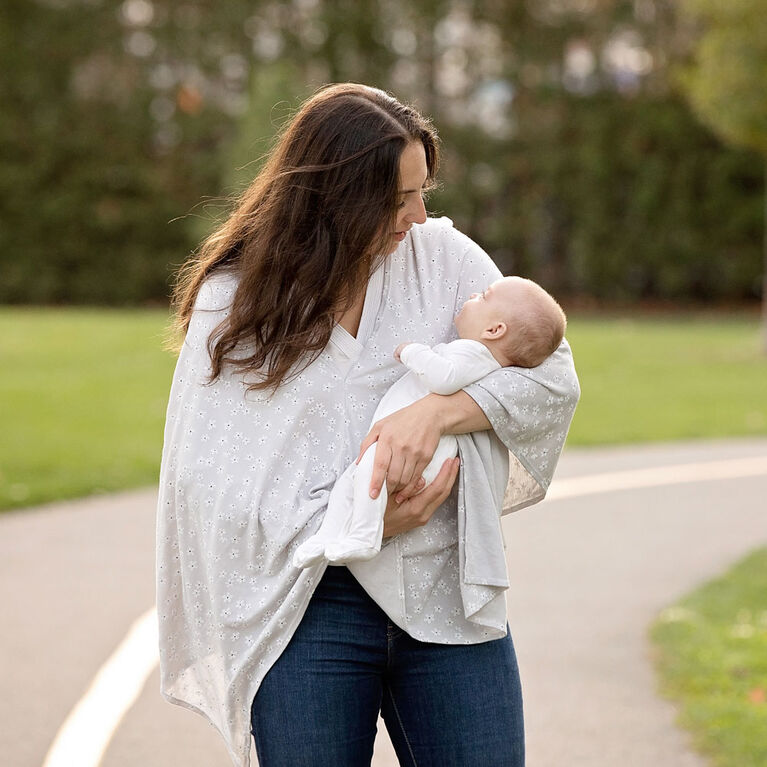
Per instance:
(352,527)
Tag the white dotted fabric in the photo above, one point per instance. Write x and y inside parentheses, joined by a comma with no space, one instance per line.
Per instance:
(245,479)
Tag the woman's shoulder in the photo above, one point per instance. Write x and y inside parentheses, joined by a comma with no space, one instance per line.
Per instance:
(216,293)
(438,242)
(440,233)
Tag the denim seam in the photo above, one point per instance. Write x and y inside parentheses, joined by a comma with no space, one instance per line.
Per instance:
(401,725)
(392,632)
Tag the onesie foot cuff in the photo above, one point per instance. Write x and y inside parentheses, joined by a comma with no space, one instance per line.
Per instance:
(309,553)
(349,551)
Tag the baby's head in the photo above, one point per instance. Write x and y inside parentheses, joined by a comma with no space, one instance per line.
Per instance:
(516,319)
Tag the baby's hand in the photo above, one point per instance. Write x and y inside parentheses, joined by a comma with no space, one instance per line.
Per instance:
(399,349)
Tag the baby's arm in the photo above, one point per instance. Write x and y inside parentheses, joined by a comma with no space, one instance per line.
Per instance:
(456,365)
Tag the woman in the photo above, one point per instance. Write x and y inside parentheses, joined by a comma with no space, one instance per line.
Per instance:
(292,312)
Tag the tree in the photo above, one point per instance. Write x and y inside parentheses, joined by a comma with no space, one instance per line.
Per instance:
(566,152)
(724,81)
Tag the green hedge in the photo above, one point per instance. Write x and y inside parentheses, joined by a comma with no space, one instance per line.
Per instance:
(101,197)
(620,199)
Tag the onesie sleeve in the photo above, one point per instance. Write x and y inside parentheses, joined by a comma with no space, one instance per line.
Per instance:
(529,409)
(450,367)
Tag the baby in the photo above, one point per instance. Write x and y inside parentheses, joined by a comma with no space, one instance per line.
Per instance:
(513,322)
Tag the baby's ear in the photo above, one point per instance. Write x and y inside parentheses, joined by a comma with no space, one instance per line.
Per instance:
(495,331)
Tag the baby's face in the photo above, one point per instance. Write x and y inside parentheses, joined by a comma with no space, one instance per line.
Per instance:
(492,305)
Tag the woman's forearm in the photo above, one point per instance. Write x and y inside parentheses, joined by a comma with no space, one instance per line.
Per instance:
(457,413)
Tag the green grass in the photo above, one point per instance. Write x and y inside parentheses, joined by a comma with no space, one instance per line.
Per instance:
(711,655)
(667,379)
(83,392)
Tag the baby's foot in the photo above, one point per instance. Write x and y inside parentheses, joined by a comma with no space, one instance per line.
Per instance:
(349,551)
(309,553)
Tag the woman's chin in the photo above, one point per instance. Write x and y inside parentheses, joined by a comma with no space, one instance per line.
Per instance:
(395,241)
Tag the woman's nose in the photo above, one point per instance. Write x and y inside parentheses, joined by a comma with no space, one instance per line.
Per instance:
(417,212)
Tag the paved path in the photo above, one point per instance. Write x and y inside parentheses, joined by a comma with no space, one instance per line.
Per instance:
(588,571)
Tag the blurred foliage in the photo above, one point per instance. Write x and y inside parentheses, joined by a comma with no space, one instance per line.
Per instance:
(725,79)
(645,203)
(90,180)
(568,154)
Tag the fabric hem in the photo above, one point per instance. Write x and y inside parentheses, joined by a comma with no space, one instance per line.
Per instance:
(237,760)
(243,758)
(504,584)
(291,629)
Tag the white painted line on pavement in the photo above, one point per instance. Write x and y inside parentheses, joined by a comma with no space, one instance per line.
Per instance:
(572,487)
(86,733)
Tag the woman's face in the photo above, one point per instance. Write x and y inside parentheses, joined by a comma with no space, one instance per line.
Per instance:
(412,177)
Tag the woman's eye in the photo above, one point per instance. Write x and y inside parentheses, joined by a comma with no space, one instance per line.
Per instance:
(424,197)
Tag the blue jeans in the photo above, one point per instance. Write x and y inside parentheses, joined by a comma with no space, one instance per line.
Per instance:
(443,705)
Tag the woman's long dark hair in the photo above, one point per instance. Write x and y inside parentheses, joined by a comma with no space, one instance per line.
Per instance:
(307,233)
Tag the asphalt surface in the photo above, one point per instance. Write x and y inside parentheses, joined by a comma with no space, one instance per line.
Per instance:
(588,573)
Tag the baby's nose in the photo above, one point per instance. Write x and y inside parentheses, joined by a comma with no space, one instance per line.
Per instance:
(473,295)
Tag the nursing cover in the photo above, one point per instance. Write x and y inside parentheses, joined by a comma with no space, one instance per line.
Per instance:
(245,479)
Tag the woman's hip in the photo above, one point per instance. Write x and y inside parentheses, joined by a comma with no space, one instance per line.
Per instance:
(347,662)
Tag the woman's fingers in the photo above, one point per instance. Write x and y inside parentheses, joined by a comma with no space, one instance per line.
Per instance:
(439,490)
(381,462)
(406,441)
(391,464)
(413,488)
(368,441)
(401,473)
(426,503)
(395,471)
(416,481)
(417,511)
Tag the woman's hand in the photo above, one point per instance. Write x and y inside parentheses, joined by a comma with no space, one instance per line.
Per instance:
(416,511)
(406,440)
